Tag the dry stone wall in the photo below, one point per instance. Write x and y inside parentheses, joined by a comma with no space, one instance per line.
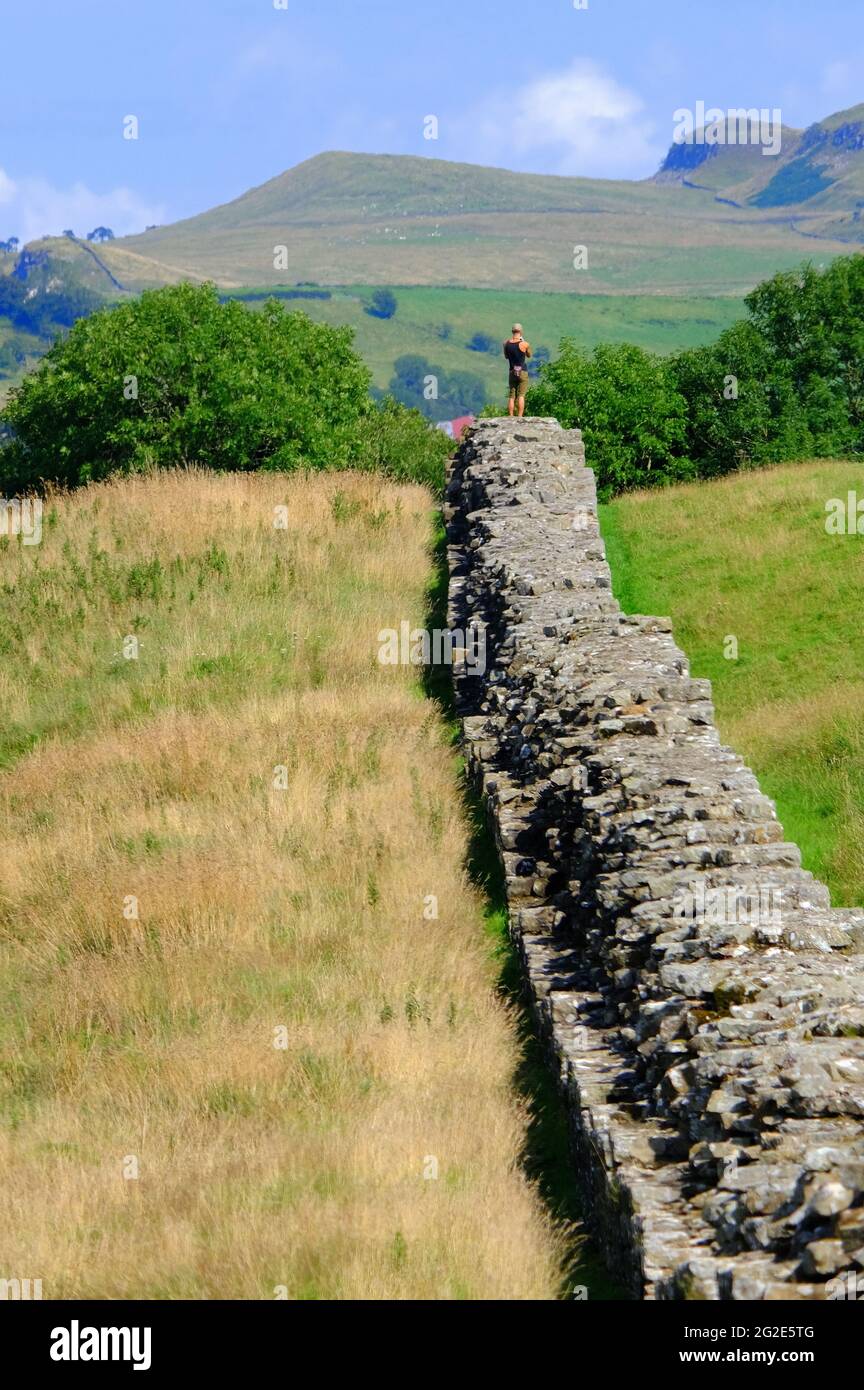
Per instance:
(702,1002)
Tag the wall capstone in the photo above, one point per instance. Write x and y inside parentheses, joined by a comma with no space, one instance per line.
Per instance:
(702,1002)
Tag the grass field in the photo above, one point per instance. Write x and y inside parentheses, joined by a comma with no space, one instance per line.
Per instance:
(397,219)
(659,323)
(748,557)
(243,1058)
(681,243)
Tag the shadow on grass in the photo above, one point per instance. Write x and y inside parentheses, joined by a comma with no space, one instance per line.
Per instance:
(546,1159)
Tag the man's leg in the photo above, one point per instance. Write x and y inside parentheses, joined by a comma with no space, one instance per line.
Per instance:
(511,400)
(523,387)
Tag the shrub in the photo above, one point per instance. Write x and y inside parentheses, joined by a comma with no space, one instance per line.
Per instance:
(483,342)
(623,400)
(398,441)
(383,305)
(456,393)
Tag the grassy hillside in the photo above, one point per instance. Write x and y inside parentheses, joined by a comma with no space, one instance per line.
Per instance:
(239,1060)
(387,219)
(816,177)
(749,557)
(425,315)
(438,323)
(716,219)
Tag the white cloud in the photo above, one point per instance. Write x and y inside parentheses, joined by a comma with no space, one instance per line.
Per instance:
(32,207)
(580,121)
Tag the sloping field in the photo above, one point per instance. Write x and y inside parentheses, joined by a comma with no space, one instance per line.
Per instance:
(397,219)
(684,246)
(242,1056)
(748,558)
(439,324)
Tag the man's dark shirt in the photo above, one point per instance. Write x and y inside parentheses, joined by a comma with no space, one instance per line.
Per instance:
(514,354)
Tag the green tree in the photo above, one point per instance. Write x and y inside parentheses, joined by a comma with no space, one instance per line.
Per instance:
(622,398)
(812,323)
(787,381)
(452,393)
(383,306)
(731,404)
(465,394)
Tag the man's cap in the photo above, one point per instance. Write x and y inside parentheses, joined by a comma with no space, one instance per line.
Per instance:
(517,328)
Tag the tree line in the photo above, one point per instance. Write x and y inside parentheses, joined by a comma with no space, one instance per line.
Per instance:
(177,377)
(786,382)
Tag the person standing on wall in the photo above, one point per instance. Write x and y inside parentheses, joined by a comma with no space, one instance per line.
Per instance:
(517,352)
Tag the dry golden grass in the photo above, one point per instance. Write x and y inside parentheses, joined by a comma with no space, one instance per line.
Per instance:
(152,1044)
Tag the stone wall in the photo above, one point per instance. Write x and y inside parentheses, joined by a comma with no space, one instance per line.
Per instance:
(702,1002)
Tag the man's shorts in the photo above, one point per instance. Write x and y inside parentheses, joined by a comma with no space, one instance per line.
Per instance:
(518,385)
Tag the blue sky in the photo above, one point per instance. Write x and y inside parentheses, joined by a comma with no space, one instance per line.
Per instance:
(229,93)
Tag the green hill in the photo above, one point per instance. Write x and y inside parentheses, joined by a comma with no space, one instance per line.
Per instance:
(817,178)
(398,219)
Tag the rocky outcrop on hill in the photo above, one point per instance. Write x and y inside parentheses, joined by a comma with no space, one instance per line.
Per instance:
(703,1003)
